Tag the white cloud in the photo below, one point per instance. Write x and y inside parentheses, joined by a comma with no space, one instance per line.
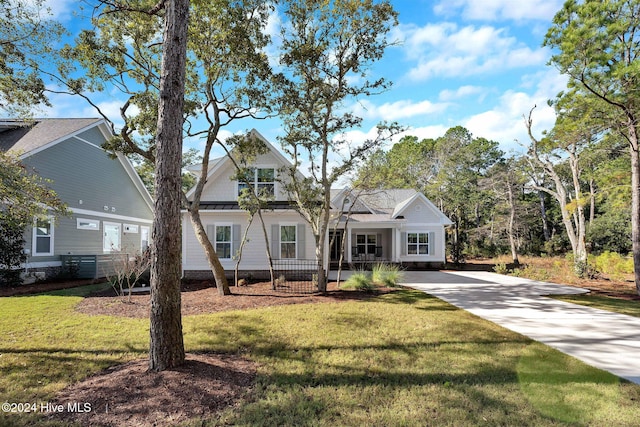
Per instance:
(446,50)
(396,110)
(494,10)
(461,92)
(61,9)
(505,122)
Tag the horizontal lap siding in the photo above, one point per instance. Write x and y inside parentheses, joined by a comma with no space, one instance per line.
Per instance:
(437,245)
(82,172)
(254,256)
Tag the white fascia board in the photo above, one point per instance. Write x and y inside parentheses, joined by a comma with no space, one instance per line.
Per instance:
(110,216)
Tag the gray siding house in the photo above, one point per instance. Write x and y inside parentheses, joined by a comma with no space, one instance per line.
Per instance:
(112,211)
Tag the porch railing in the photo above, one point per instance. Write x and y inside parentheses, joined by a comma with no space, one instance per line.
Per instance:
(91,266)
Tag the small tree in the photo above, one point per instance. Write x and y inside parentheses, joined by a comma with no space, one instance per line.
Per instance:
(23,197)
(128,270)
(327,49)
(12,243)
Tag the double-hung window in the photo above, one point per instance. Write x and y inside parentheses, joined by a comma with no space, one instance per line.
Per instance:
(288,241)
(43,237)
(223,241)
(418,243)
(261,180)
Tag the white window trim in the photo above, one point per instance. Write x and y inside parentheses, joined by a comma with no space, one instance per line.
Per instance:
(254,182)
(104,226)
(366,241)
(295,226)
(428,244)
(215,238)
(34,241)
(94,227)
(130,228)
(148,229)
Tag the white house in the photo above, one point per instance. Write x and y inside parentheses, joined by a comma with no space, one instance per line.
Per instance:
(398,226)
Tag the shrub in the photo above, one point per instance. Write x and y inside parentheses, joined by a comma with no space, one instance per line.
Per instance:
(11,249)
(613,264)
(501,268)
(386,275)
(360,280)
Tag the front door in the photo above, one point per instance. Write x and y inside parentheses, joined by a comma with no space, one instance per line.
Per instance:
(111,240)
(336,244)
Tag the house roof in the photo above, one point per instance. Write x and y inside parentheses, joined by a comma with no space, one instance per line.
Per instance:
(26,136)
(234,205)
(383,205)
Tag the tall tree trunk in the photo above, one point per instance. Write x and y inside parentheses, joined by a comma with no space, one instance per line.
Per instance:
(322,273)
(635,201)
(592,200)
(242,243)
(214,263)
(543,215)
(166,348)
(512,218)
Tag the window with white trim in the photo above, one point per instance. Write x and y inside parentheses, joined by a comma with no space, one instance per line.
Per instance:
(223,241)
(288,242)
(418,243)
(87,224)
(263,181)
(43,237)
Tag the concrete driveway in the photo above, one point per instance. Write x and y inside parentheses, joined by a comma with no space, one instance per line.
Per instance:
(606,340)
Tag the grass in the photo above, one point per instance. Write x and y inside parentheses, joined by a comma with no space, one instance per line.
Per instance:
(399,359)
(616,305)
(381,275)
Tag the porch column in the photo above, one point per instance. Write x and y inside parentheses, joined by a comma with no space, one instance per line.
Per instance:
(348,231)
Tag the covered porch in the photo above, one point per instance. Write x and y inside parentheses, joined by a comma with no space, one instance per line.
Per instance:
(365,243)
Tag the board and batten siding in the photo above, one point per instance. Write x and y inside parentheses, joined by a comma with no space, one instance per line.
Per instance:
(220,186)
(254,254)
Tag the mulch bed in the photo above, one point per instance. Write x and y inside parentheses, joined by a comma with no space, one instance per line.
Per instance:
(131,395)
(203,298)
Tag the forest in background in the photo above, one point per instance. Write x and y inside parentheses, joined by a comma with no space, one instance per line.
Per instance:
(509,204)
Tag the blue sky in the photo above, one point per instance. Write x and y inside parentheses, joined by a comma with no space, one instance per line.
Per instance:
(473,63)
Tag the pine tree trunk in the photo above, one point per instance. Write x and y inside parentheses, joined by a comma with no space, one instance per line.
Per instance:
(635,203)
(166,348)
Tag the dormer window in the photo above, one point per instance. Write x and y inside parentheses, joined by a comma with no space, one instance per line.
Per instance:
(263,181)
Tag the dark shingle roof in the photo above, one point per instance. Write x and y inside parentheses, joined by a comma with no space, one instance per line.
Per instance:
(22,137)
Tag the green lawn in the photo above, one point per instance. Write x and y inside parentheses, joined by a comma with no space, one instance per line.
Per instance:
(400,359)
(617,305)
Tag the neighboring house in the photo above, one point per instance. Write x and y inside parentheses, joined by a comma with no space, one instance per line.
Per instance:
(111,209)
(398,226)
